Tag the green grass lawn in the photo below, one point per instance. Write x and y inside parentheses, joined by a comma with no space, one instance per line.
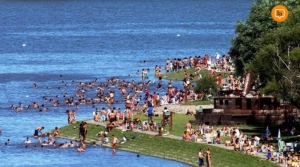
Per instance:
(184,151)
(224,74)
(179,150)
(259,130)
(199,102)
(179,74)
(179,121)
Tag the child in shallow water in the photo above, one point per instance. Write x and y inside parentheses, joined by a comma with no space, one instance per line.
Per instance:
(80,149)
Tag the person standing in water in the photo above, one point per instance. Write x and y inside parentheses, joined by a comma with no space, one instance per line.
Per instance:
(114,143)
(37,131)
(69,113)
(56,132)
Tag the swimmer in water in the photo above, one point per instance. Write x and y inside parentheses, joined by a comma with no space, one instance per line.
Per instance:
(56,132)
(63,145)
(27,141)
(80,149)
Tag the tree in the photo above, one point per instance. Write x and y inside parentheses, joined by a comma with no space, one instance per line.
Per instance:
(277,61)
(248,34)
(207,85)
(270,49)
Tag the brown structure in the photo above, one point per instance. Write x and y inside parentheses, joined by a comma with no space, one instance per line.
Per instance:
(246,107)
(245,110)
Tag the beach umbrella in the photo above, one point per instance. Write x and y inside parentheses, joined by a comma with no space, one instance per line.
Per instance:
(279,140)
(267,133)
(279,135)
(200,109)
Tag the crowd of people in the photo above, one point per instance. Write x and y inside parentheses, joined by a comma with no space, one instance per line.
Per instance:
(50,140)
(146,95)
(130,91)
(239,141)
(80,145)
(221,63)
(252,145)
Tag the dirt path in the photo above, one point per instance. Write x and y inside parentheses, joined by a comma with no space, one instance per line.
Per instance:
(178,108)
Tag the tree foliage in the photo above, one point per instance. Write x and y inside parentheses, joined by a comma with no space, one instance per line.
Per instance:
(277,61)
(207,85)
(249,33)
(271,50)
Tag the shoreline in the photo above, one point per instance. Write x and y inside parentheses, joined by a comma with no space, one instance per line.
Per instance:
(139,152)
(188,160)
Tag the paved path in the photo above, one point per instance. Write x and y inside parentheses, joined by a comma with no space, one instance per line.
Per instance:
(261,155)
(179,108)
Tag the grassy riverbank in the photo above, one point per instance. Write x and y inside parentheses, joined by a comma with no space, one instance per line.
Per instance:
(179,121)
(179,75)
(183,151)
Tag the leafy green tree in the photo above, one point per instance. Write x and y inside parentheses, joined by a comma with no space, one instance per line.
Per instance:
(270,49)
(249,33)
(277,61)
(207,85)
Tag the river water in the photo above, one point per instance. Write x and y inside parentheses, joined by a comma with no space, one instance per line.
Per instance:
(57,44)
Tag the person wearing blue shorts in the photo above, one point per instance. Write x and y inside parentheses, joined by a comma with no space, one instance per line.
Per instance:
(150,113)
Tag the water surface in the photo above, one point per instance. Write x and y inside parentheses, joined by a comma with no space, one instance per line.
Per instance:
(47,42)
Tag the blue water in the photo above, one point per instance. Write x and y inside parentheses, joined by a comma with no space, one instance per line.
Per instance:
(47,42)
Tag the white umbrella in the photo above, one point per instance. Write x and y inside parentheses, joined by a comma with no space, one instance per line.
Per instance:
(267,133)
(279,140)
(279,135)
